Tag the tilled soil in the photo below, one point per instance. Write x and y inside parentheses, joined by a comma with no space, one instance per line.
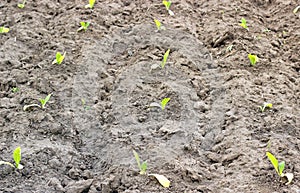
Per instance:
(211,137)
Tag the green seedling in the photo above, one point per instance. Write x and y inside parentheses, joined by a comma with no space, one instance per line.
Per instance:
(296,9)
(162,104)
(253,59)
(265,105)
(17,159)
(142,166)
(59,58)
(244,24)
(158,25)
(168,5)
(229,48)
(266,30)
(84,26)
(22,5)
(91,4)
(143,171)
(279,167)
(84,105)
(42,101)
(15,89)
(4,30)
(166,55)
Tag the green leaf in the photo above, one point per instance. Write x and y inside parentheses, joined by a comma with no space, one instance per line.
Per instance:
(144,167)
(4,30)
(162,180)
(253,59)
(274,161)
(137,158)
(17,157)
(91,4)
(167,4)
(166,55)
(281,166)
(44,101)
(244,23)
(6,163)
(158,24)
(164,102)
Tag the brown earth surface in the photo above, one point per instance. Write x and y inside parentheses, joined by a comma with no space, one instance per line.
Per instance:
(212,137)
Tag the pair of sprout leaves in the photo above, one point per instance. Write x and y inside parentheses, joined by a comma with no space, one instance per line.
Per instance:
(17,159)
(143,171)
(42,101)
(167,4)
(279,167)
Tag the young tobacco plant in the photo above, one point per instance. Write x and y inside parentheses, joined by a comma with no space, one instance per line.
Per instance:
(143,171)
(265,105)
(253,59)
(17,159)
(279,168)
(22,5)
(244,24)
(91,4)
(42,101)
(84,26)
(167,4)
(162,104)
(4,30)
(59,58)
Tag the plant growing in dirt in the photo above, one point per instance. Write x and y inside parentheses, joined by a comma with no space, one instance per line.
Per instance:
(158,25)
(162,104)
(265,105)
(91,4)
(22,5)
(165,59)
(59,58)
(17,159)
(85,107)
(15,89)
(4,30)
(279,168)
(143,171)
(244,23)
(84,26)
(253,59)
(168,5)
(43,103)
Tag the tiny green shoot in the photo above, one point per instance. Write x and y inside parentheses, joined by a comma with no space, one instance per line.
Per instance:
(279,167)
(42,101)
(244,24)
(91,4)
(158,24)
(168,5)
(166,55)
(142,166)
(22,5)
(17,159)
(265,105)
(15,89)
(164,102)
(59,58)
(253,59)
(84,105)
(229,48)
(4,30)
(84,26)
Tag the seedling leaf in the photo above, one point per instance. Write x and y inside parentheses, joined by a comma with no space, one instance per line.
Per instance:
(244,23)
(91,4)
(253,59)
(144,167)
(274,161)
(164,102)
(22,5)
(167,4)
(44,101)
(281,166)
(166,55)
(162,180)
(17,157)
(4,30)
(59,58)
(158,24)
(266,105)
(6,163)
(84,26)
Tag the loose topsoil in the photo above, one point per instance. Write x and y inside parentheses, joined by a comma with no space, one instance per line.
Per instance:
(211,137)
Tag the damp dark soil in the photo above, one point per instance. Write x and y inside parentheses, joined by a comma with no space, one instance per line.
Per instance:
(211,137)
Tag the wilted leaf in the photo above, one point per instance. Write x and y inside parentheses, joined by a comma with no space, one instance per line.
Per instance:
(162,180)
(289,177)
